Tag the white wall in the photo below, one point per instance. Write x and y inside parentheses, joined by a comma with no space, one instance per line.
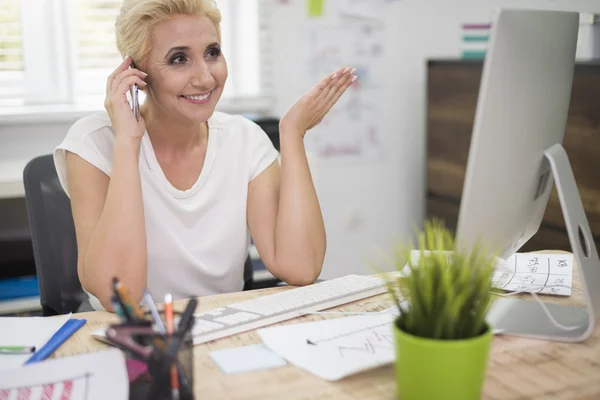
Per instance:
(365,205)
(386,196)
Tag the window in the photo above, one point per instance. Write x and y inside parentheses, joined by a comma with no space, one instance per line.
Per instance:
(95,48)
(11,54)
(60,52)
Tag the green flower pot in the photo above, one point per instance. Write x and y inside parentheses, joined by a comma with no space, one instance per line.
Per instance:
(432,369)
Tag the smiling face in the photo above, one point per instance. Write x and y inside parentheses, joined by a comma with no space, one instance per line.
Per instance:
(186,69)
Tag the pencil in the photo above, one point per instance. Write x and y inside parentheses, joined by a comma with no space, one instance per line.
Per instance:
(170,322)
(124,295)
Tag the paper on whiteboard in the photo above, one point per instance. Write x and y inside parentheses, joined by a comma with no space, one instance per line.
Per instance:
(352,130)
(370,9)
(341,346)
(95,376)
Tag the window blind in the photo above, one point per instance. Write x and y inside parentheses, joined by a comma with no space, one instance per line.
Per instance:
(96,51)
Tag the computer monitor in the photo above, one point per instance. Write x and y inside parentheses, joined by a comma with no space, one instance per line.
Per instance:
(515,156)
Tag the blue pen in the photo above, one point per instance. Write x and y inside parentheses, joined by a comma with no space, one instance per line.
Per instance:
(65,332)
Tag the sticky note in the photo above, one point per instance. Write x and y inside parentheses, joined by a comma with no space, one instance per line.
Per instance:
(315,7)
(247,358)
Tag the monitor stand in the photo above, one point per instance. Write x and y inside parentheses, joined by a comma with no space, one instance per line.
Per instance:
(526,318)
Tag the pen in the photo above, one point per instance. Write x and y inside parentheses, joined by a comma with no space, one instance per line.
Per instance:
(116,305)
(170,329)
(17,349)
(124,295)
(120,308)
(187,318)
(149,301)
(186,323)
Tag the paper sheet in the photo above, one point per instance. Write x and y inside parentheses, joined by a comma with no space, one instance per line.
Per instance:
(336,348)
(536,272)
(369,9)
(341,346)
(26,331)
(247,358)
(544,273)
(94,376)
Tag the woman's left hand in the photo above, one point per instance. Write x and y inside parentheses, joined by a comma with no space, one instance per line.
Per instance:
(311,107)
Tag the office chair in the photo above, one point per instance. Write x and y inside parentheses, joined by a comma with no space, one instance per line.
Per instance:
(54,241)
(53,238)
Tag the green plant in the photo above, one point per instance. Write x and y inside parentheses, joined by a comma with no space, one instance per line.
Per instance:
(448,291)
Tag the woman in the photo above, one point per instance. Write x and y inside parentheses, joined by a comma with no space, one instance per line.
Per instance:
(166,201)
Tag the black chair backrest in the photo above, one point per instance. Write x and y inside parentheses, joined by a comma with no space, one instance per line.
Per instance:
(271,127)
(54,241)
(53,238)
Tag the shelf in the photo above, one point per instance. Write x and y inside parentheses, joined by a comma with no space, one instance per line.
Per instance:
(24,304)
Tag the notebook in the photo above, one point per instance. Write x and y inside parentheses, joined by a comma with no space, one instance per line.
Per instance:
(45,333)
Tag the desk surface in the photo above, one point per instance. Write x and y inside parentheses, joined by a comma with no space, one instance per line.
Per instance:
(518,368)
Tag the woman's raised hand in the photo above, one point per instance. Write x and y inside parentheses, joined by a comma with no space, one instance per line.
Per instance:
(120,112)
(311,107)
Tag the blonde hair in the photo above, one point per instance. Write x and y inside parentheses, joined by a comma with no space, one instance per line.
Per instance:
(138,17)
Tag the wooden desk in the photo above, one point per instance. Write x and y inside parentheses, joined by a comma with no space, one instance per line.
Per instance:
(518,368)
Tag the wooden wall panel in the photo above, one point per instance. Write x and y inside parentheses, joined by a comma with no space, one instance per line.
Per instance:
(452,91)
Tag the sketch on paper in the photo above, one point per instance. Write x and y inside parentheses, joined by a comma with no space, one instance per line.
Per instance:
(370,340)
(335,348)
(75,387)
(351,131)
(91,376)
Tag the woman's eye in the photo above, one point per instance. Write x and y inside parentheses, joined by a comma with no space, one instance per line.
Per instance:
(214,52)
(178,59)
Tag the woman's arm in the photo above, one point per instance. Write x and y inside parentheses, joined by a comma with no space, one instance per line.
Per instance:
(108,213)
(109,223)
(284,215)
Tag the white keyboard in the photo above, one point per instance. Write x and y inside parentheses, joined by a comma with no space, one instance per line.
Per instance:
(247,315)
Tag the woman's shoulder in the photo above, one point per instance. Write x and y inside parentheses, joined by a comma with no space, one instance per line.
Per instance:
(233,122)
(97,124)
(91,138)
(92,134)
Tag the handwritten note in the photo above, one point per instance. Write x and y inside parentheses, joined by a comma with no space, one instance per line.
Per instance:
(540,273)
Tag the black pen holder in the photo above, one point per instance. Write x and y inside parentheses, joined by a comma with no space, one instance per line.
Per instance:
(157,384)
(151,377)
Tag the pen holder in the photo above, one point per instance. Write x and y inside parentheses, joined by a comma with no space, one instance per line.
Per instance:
(150,375)
(159,385)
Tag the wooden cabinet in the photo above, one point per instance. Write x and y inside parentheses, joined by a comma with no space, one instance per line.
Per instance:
(452,91)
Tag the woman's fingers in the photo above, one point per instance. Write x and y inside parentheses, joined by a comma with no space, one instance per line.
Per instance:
(122,71)
(127,83)
(122,67)
(322,89)
(339,90)
(126,75)
(330,96)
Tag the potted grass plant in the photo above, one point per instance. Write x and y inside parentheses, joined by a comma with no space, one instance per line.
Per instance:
(441,335)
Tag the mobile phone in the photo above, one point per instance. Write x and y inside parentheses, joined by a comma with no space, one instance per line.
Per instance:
(136,102)
(133,91)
